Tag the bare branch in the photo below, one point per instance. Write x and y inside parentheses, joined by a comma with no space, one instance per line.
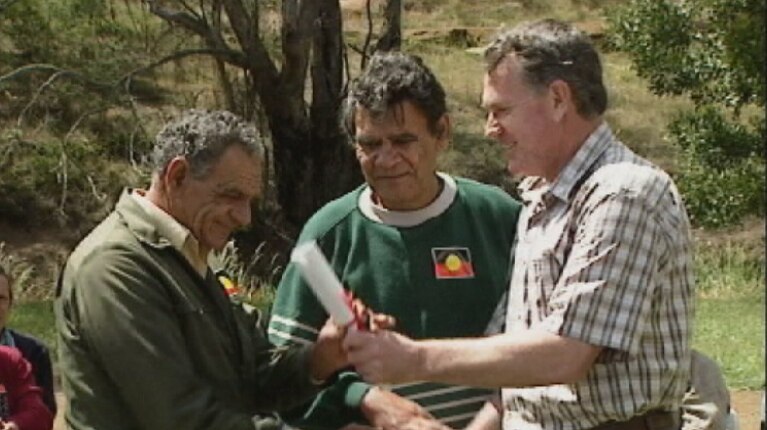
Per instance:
(368,37)
(261,65)
(64,160)
(42,67)
(191,21)
(37,94)
(230,56)
(187,20)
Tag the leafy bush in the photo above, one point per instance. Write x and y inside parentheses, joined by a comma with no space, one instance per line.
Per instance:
(722,167)
(714,52)
(65,179)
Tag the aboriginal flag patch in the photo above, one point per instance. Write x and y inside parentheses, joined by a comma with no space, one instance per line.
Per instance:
(452,263)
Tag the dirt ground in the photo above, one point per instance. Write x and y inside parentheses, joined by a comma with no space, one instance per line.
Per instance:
(746,403)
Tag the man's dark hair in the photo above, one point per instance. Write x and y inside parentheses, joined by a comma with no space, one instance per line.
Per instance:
(550,50)
(202,136)
(390,79)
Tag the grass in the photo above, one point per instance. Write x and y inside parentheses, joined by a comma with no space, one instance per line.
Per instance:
(730,314)
(35,318)
(731,331)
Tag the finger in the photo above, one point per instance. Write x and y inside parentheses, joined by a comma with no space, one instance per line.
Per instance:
(382,322)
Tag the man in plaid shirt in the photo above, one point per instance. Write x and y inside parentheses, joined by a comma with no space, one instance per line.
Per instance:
(600,309)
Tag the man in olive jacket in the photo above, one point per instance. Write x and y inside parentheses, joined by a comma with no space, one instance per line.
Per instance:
(148,337)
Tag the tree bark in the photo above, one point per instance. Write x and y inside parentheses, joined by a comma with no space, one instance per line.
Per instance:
(312,161)
(391,37)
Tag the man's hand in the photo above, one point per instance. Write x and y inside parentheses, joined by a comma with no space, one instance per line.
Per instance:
(328,354)
(373,321)
(489,417)
(383,356)
(386,410)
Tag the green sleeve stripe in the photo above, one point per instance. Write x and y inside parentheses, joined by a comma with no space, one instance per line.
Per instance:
(288,337)
(293,324)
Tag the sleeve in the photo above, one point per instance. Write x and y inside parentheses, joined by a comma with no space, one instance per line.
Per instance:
(282,377)
(297,317)
(44,377)
(25,398)
(604,294)
(129,323)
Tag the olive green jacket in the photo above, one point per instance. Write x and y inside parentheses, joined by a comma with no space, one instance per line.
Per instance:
(146,343)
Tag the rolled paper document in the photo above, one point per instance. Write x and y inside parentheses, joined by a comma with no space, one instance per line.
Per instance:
(316,270)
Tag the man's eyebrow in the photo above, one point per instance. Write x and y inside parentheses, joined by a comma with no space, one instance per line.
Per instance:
(367,139)
(402,136)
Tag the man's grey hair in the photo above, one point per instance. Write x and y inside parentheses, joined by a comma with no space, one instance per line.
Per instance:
(390,79)
(550,50)
(202,136)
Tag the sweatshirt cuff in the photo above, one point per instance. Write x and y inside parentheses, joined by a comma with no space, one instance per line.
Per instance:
(355,392)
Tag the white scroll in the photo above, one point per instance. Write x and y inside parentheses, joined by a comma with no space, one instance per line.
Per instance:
(316,270)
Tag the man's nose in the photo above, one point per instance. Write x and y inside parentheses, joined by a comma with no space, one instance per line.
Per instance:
(241,213)
(387,156)
(493,128)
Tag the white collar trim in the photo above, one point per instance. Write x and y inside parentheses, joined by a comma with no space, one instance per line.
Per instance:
(382,215)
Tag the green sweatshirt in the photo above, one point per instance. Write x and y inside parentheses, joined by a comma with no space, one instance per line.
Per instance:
(440,271)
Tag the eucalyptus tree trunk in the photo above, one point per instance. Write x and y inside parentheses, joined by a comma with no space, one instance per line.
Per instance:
(313,162)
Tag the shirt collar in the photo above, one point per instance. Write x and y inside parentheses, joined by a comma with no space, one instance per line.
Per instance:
(382,215)
(180,237)
(574,170)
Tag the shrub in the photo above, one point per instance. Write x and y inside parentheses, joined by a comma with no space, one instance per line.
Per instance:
(713,52)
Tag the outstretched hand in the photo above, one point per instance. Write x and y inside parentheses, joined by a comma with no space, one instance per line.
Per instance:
(382,356)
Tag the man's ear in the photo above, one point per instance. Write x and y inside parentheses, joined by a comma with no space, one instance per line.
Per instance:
(176,173)
(561,98)
(444,132)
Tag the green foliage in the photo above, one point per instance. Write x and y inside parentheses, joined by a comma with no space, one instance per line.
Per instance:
(722,171)
(43,174)
(82,147)
(714,52)
(255,289)
(711,50)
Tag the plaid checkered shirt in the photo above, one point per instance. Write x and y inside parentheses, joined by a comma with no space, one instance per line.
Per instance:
(604,256)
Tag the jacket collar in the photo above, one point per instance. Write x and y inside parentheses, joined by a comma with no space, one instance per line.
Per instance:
(138,222)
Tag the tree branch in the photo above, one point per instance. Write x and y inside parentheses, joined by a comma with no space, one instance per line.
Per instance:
(391,39)
(187,20)
(260,63)
(42,67)
(39,91)
(297,24)
(230,56)
(368,37)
